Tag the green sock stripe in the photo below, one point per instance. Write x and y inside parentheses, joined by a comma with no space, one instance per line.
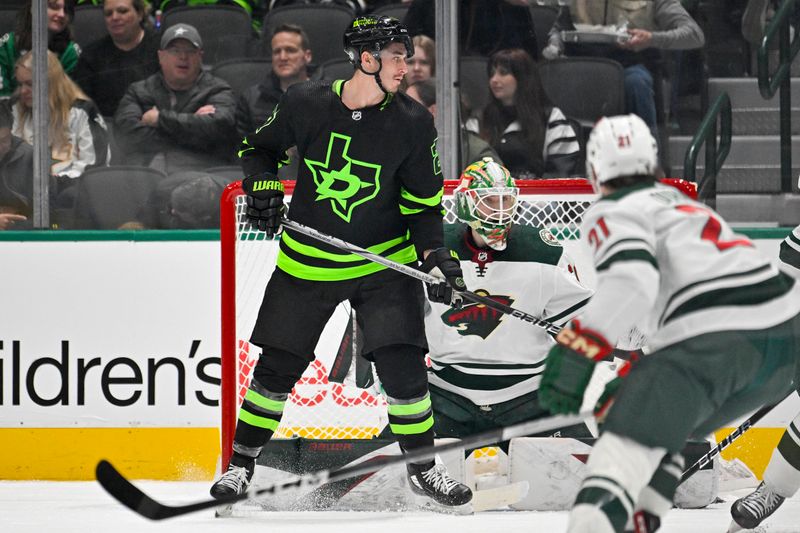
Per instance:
(412,429)
(264,402)
(607,502)
(258,421)
(410,409)
(788,447)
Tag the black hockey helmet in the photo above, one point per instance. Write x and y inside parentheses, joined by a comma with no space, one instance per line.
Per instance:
(373,34)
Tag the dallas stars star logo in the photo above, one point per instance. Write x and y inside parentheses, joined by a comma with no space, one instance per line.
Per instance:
(344,181)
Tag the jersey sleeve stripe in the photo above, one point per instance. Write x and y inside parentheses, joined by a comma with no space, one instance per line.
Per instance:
(430,201)
(790,251)
(568,313)
(742,295)
(628,255)
(624,244)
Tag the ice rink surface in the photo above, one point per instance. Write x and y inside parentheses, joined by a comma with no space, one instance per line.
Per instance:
(84,507)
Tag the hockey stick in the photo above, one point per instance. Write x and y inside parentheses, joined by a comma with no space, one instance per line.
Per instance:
(130,496)
(420,275)
(724,443)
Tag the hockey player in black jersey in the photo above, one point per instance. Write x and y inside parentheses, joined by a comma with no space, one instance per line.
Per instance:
(369,174)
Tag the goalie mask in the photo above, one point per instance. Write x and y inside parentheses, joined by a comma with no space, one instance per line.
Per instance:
(486,199)
(620,146)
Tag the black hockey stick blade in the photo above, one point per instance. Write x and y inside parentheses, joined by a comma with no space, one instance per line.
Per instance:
(344,355)
(137,501)
(724,443)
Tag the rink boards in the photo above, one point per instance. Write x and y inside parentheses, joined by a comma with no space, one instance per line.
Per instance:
(109,348)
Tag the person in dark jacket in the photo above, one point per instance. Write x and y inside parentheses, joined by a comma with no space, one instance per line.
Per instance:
(127,54)
(291,63)
(16,175)
(180,118)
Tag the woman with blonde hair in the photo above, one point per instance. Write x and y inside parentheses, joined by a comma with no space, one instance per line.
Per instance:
(77,135)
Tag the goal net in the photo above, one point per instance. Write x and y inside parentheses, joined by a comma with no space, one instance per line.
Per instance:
(318,408)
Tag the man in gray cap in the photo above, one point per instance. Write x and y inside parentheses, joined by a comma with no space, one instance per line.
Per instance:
(180,118)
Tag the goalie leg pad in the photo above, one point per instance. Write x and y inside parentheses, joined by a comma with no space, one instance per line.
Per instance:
(783,471)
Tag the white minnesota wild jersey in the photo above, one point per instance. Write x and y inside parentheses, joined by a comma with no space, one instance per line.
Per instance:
(482,354)
(662,257)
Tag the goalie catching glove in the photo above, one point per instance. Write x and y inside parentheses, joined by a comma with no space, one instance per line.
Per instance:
(265,205)
(569,367)
(444,263)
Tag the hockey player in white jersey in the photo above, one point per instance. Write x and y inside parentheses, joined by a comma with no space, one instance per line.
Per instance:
(721,320)
(782,476)
(485,369)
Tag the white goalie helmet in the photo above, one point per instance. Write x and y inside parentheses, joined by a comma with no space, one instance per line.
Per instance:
(620,146)
(486,199)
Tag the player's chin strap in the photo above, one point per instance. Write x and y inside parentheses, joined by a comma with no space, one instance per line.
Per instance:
(418,274)
(376,74)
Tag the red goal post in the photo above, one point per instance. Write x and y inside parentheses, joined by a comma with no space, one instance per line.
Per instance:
(316,407)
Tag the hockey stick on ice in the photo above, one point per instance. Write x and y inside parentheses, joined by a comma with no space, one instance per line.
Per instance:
(418,274)
(724,443)
(127,494)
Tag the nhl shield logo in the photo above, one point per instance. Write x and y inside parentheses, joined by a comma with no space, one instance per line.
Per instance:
(356,115)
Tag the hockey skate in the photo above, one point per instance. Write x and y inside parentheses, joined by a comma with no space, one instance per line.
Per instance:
(434,483)
(234,481)
(750,511)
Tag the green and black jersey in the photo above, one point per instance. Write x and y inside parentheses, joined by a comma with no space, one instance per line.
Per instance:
(368,176)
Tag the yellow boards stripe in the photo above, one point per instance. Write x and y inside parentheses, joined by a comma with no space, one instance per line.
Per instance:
(60,454)
(754,448)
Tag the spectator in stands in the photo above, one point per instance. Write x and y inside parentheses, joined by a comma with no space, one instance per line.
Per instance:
(651,26)
(531,135)
(16,172)
(485,26)
(255,8)
(422,65)
(16,43)
(472,148)
(180,118)
(291,63)
(77,134)
(127,54)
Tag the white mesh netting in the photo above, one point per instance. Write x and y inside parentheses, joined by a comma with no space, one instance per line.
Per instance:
(318,408)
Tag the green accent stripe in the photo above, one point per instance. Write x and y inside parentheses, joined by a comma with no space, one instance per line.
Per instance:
(664,483)
(481,382)
(412,429)
(628,255)
(258,421)
(789,255)
(337,87)
(295,268)
(312,251)
(431,201)
(569,311)
(490,366)
(408,211)
(110,235)
(263,402)
(754,294)
(411,408)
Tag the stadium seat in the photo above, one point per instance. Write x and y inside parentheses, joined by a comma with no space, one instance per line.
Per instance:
(584,88)
(397,11)
(89,25)
(111,196)
(474,81)
(543,19)
(226,31)
(337,69)
(243,73)
(324,23)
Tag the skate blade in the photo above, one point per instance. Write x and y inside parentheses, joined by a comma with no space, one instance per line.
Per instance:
(734,527)
(424,503)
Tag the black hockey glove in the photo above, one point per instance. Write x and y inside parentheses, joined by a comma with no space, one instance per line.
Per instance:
(264,202)
(443,263)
